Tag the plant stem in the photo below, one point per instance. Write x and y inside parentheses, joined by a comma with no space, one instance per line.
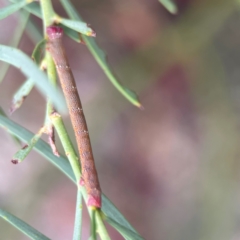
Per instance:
(67,144)
(101,229)
(51,70)
(93,224)
(48,18)
(52,76)
(48,13)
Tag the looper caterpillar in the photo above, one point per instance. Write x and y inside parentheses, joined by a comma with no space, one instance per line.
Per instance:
(89,173)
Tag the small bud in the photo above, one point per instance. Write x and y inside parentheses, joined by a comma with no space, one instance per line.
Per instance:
(14,161)
(54,32)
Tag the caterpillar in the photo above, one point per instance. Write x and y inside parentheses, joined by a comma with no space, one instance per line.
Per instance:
(89,173)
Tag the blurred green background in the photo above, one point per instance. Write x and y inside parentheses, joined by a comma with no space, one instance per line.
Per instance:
(173,168)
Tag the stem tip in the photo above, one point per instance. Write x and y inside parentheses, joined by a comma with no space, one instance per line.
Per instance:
(54,32)
(94,201)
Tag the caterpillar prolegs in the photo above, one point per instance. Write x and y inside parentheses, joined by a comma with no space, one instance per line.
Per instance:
(89,173)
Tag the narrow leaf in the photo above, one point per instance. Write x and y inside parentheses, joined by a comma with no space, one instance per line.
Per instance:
(78,26)
(126,233)
(112,212)
(33,8)
(38,51)
(62,164)
(100,57)
(69,8)
(20,60)
(16,37)
(12,135)
(33,32)
(5,12)
(78,217)
(169,5)
(22,153)
(41,147)
(21,94)
(71,33)
(22,226)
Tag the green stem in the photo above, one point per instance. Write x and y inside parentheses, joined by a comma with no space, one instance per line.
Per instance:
(48,13)
(52,76)
(67,144)
(51,69)
(78,217)
(101,229)
(93,224)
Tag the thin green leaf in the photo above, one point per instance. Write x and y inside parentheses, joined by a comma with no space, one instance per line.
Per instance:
(100,57)
(33,32)
(20,155)
(21,94)
(125,232)
(61,163)
(5,12)
(16,37)
(22,226)
(41,146)
(71,11)
(13,136)
(112,212)
(38,50)
(169,5)
(3,71)
(33,8)
(30,69)
(78,26)
(78,217)
(71,33)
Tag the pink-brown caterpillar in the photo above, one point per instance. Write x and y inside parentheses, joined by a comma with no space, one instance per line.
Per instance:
(89,173)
